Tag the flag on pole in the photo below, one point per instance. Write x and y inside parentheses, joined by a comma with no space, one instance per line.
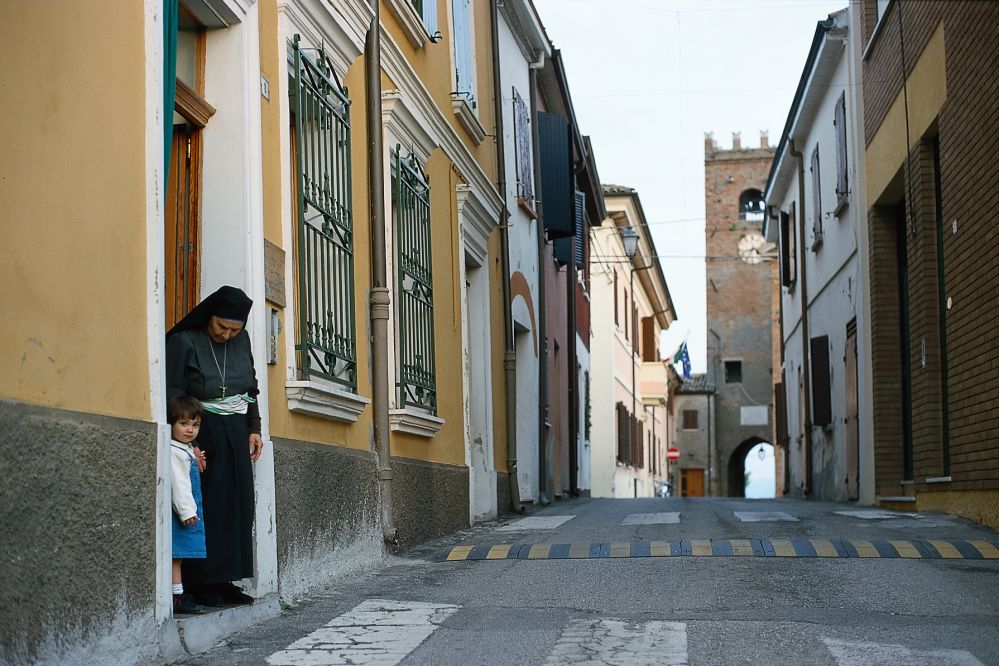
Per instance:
(681,356)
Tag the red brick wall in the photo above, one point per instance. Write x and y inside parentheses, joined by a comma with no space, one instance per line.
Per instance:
(740,300)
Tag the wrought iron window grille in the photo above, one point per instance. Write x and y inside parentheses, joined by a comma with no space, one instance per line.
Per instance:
(326,341)
(416,381)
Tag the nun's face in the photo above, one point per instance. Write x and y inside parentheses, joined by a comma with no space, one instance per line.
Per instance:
(221,330)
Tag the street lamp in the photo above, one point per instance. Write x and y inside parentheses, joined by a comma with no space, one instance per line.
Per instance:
(629,237)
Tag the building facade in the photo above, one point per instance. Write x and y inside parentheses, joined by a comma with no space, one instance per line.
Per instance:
(629,394)
(816,214)
(381,283)
(694,436)
(741,281)
(929,113)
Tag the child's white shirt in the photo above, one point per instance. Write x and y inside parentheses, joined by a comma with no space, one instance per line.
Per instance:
(183,497)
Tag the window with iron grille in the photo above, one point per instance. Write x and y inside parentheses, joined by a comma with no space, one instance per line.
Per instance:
(324,249)
(416,379)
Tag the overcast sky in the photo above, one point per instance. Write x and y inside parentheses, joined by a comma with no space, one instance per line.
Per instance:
(649,77)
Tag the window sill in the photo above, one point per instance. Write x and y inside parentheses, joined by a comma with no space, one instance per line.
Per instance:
(414,422)
(525,206)
(841,206)
(410,22)
(467,117)
(323,399)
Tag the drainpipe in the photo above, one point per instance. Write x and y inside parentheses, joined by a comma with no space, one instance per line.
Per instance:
(571,374)
(806,394)
(379,297)
(542,329)
(509,353)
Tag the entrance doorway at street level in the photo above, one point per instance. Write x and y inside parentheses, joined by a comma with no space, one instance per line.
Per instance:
(741,462)
(691,483)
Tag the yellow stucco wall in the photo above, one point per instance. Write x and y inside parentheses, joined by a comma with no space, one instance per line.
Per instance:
(926,93)
(284,423)
(982,506)
(433,65)
(448,445)
(73,197)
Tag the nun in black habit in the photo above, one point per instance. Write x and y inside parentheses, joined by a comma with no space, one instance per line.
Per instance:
(208,356)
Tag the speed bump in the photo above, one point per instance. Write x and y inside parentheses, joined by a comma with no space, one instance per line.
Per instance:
(912,549)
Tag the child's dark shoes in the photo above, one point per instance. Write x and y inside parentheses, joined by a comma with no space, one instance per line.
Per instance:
(185,604)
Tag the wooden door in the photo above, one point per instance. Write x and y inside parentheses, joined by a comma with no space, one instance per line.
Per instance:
(181,250)
(692,483)
(852,420)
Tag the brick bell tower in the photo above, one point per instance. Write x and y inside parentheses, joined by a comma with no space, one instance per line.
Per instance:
(743,289)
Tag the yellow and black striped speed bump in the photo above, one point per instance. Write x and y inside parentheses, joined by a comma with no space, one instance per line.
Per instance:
(842,548)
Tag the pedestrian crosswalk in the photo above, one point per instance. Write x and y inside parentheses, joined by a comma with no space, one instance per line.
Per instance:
(378,631)
(388,632)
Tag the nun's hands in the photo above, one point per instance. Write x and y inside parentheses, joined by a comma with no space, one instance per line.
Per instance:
(256,446)
(199,455)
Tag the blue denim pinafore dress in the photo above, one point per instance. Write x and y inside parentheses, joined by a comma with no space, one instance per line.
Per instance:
(189,541)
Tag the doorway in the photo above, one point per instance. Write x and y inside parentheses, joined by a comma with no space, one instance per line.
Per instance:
(478,426)
(852,414)
(692,482)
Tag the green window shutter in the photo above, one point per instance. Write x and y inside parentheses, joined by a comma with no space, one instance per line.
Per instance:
(326,344)
(556,175)
(416,382)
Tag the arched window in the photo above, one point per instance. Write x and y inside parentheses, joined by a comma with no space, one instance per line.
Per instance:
(751,206)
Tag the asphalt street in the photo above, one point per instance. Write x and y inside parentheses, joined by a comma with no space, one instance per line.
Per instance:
(660,581)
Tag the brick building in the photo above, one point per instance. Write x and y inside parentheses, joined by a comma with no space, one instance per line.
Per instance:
(741,283)
(931,110)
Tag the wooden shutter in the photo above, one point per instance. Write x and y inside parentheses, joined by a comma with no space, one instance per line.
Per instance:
(841,176)
(579,248)
(430,16)
(792,246)
(522,139)
(572,247)
(816,199)
(461,11)
(617,307)
(785,250)
(690,419)
(556,175)
(649,346)
(780,420)
(821,391)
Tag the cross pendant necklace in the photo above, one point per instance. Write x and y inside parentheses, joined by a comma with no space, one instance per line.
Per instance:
(225,354)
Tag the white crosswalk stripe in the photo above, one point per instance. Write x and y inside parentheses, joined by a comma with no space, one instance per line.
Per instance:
(849,653)
(873,514)
(377,631)
(651,518)
(535,523)
(764,516)
(621,642)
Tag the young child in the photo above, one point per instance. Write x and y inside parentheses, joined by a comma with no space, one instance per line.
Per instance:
(184,414)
